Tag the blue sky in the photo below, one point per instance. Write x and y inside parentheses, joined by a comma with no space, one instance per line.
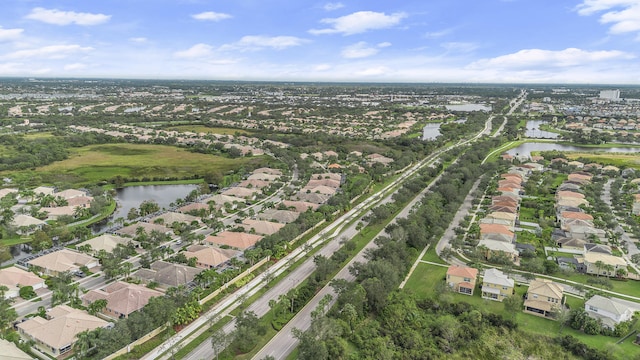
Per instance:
(530,41)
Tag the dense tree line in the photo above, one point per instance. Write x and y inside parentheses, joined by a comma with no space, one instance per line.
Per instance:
(25,153)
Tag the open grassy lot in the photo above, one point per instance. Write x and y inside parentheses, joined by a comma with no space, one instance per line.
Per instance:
(427,278)
(615,159)
(95,163)
(209,130)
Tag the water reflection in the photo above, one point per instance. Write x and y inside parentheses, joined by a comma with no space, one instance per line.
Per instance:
(533,130)
(527,148)
(132,196)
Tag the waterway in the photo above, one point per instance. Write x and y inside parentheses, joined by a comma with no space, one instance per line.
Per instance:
(533,130)
(527,148)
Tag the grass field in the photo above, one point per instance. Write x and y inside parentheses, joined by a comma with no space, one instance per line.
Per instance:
(209,130)
(427,277)
(615,159)
(92,164)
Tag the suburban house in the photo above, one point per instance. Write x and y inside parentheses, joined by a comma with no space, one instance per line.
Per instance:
(261,227)
(209,257)
(122,298)
(603,264)
(57,334)
(132,229)
(106,242)
(462,279)
(543,297)
(10,351)
(494,247)
(219,199)
(167,274)
(241,192)
(496,285)
(300,206)
(237,240)
(26,224)
(280,216)
(265,170)
(169,218)
(62,260)
(610,311)
(496,232)
(264,177)
(193,207)
(14,278)
(571,243)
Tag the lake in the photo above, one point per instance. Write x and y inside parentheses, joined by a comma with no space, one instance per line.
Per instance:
(132,196)
(432,130)
(533,130)
(527,148)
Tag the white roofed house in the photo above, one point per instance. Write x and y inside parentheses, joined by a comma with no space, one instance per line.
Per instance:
(14,278)
(62,260)
(57,334)
(496,285)
(610,311)
(603,264)
(26,224)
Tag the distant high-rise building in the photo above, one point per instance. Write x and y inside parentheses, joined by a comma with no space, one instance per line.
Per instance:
(610,94)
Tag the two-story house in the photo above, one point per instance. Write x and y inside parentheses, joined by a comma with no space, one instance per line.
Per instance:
(543,298)
(496,285)
(610,311)
(462,279)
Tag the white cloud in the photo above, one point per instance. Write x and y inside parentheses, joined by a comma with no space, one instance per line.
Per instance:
(259,42)
(359,22)
(138,39)
(623,15)
(75,66)
(322,67)
(211,16)
(48,52)
(459,47)
(438,34)
(362,49)
(359,50)
(10,34)
(333,6)
(58,17)
(373,71)
(196,51)
(589,7)
(531,58)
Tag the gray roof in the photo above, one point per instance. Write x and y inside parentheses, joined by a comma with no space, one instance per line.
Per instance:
(608,304)
(495,276)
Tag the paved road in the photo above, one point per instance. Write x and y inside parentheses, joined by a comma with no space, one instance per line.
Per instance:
(283,342)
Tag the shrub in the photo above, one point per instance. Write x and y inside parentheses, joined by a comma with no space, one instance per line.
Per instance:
(27,292)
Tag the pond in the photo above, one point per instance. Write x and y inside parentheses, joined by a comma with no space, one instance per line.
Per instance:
(432,130)
(533,130)
(527,148)
(132,196)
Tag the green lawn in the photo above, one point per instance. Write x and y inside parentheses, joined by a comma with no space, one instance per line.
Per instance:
(95,163)
(615,159)
(427,277)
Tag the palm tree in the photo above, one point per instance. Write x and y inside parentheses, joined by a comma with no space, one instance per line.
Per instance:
(609,269)
(599,265)
(126,269)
